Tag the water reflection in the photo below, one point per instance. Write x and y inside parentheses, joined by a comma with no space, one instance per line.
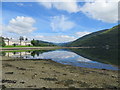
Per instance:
(62,56)
(103,55)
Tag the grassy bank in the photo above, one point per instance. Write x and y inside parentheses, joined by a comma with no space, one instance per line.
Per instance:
(18,73)
(28,48)
(24,46)
(15,46)
(24,50)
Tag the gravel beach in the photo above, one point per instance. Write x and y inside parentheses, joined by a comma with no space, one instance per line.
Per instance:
(19,73)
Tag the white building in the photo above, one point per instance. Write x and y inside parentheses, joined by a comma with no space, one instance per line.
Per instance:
(17,42)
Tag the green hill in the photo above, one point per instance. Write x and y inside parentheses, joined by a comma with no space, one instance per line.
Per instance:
(41,43)
(99,38)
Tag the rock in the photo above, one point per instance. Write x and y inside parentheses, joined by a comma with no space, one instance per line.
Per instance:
(8,81)
(20,68)
(22,82)
(113,76)
(43,88)
(43,71)
(32,86)
(9,73)
(49,79)
(64,74)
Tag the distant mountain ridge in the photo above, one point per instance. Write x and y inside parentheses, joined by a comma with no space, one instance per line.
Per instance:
(105,37)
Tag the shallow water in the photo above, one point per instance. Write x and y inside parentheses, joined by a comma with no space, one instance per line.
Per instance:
(61,56)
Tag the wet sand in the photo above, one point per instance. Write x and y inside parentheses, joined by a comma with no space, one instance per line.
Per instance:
(18,73)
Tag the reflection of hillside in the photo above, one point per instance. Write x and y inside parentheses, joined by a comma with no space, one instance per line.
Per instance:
(99,54)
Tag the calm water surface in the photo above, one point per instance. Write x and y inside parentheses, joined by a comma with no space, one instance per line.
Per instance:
(69,57)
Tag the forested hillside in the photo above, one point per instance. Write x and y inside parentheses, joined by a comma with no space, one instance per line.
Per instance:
(41,43)
(107,37)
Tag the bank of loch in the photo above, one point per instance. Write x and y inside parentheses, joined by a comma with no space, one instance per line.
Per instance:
(38,73)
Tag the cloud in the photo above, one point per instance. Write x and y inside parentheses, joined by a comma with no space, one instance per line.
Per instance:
(21,25)
(80,34)
(20,4)
(39,36)
(46,4)
(61,23)
(71,6)
(104,10)
(56,39)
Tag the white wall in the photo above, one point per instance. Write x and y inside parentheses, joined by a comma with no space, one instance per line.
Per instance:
(11,42)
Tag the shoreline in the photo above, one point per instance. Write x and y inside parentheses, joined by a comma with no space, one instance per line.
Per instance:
(35,48)
(21,73)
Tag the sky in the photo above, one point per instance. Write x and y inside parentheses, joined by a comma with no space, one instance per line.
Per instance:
(57,22)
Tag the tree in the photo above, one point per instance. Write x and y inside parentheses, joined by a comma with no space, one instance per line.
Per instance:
(41,43)
(21,39)
(29,45)
(26,39)
(14,44)
(35,42)
(32,42)
(8,40)
(2,43)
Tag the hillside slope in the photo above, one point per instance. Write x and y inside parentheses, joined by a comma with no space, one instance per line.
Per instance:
(99,38)
(41,43)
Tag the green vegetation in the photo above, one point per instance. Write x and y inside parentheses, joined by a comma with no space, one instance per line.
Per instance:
(11,46)
(106,43)
(2,43)
(41,43)
(108,37)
